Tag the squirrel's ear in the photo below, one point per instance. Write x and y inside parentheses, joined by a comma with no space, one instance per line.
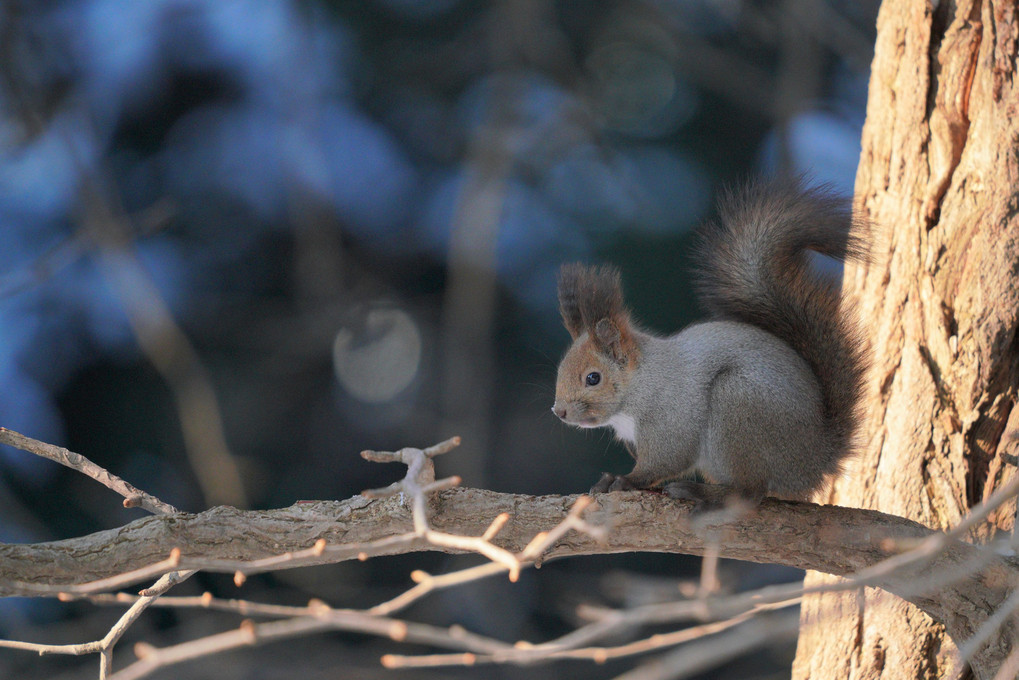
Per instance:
(614,336)
(591,299)
(607,335)
(570,277)
(604,314)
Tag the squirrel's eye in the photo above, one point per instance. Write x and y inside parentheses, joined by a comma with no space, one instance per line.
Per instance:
(593,378)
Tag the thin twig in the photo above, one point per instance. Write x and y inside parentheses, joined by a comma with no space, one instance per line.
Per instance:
(418,483)
(990,627)
(133,497)
(694,659)
(247,635)
(709,566)
(522,653)
(454,637)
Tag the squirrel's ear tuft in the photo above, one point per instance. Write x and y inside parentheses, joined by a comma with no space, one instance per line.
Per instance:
(591,299)
(571,277)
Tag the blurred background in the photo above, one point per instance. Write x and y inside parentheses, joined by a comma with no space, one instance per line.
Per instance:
(243,241)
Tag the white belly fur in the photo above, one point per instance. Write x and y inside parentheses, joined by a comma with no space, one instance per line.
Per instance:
(625,427)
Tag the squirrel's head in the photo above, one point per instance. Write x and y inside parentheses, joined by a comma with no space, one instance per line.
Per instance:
(596,371)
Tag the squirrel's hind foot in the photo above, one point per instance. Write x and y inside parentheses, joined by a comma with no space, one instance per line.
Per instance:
(713,497)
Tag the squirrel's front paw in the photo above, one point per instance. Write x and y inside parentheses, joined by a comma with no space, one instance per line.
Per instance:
(611,482)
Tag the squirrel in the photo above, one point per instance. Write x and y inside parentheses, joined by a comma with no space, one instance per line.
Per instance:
(763,397)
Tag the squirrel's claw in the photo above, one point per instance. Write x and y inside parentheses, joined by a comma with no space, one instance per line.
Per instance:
(610,482)
(603,484)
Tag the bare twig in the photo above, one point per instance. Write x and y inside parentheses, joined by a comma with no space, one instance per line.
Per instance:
(133,497)
(531,553)
(694,659)
(525,653)
(454,637)
(315,617)
(246,635)
(150,595)
(418,483)
(990,627)
(709,567)
(104,647)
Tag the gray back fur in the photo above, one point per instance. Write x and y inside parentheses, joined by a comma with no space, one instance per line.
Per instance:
(754,269)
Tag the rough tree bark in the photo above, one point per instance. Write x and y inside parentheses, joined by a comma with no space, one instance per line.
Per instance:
(939,177)
(830,539)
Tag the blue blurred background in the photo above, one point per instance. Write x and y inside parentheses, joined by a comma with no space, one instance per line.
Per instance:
(243,241)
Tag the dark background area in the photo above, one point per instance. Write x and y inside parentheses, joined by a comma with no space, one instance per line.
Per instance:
(243,241)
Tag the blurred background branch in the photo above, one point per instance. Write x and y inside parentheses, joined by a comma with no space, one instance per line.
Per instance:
(166,346)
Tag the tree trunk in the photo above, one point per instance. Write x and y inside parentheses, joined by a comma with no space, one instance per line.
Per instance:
(939,179)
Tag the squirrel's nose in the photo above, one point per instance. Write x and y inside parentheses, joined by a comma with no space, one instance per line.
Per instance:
(559,410)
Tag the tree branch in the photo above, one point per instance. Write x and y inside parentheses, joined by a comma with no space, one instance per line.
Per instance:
(133,497)
(834,540)
(964,587)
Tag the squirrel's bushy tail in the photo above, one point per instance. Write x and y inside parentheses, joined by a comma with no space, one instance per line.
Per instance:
(753,268)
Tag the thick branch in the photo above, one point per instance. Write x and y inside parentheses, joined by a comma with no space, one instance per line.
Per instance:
(835,540)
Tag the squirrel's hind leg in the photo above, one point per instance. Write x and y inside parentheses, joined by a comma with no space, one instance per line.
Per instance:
(711,497)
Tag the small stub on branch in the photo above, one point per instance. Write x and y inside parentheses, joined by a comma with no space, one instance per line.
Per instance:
(398,631)
(250,631)
(420,475)
(318,607)
(143,649)
(419,480)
